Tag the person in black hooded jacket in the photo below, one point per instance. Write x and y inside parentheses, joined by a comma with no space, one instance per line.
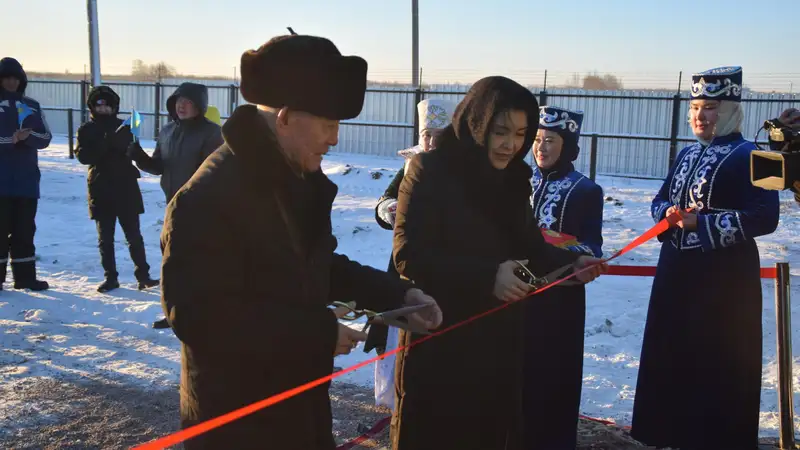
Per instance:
(463,220)
(182,144)
(113,185)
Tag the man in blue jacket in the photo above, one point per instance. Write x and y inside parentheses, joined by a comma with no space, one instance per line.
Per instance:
(20,142)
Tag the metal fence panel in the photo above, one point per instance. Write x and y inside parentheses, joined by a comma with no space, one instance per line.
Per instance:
(386,122)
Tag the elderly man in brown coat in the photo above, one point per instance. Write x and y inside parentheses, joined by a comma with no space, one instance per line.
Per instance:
(249,255)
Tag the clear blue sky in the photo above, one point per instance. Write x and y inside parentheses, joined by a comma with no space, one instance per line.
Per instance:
(645,42)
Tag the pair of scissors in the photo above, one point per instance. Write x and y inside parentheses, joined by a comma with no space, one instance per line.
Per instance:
(389,318)
(523,273)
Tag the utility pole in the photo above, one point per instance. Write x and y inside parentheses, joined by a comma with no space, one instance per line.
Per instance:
(94,41)
(415,43)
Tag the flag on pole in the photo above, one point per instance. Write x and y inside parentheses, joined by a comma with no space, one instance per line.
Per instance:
(23,112)
(134,121)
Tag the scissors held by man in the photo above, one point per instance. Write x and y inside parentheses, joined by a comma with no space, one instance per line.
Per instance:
(389,318)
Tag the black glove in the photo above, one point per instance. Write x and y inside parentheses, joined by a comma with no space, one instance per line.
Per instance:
(134,151)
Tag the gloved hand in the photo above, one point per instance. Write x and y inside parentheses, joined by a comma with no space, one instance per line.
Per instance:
(134,151)
(387,209)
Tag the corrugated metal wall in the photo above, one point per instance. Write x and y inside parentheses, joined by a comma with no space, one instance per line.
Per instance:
(385,124)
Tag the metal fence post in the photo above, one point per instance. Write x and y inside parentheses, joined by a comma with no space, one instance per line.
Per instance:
(233,94)
(84,96)
(417,99)
(157,112)
(783,318)
(543,97)
(673,135)
(593,158)
(71,133)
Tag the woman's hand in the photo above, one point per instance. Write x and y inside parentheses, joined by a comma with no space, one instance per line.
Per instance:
(507,286)
(598,267)
(688,222)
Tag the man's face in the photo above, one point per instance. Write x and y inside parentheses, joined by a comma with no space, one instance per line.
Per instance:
(185,108)
(10,84)
(103,110)
(306,138)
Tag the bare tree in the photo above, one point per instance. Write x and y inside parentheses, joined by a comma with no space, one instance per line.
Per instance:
(606,82)
(142,71)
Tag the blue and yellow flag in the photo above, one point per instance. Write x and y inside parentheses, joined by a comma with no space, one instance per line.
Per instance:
(23,112)
(135,122)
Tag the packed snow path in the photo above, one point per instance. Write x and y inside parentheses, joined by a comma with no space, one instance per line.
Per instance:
(71,331)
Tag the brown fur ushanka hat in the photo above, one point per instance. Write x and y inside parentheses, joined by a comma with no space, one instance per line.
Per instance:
(306,73)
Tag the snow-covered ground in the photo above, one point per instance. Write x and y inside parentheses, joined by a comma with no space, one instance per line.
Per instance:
(72,329)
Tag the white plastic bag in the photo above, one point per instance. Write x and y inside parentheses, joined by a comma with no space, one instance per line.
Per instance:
(384,372)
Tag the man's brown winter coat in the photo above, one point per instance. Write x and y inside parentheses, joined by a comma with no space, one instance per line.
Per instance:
(249,267)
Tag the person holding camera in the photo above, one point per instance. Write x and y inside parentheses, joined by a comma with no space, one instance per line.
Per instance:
(791,118)
(701,355)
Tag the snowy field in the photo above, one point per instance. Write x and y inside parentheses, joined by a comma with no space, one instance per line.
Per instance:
(71,330)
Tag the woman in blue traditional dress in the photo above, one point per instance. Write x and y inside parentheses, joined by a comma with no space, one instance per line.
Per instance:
(565,201)
(699,380)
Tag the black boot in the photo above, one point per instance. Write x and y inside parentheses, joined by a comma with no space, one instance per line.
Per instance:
(148,283)
(109,285)
(3,268)
(161,324)
(25,275)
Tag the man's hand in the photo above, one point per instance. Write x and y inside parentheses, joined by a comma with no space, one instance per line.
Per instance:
(429,318)
(597,268)
(790,118)
(20,135)
(507,286)
(348,337)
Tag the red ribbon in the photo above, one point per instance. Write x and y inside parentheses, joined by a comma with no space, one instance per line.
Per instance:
(217,422)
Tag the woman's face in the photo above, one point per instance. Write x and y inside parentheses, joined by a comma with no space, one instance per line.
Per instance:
(427,138)
(506,137)
(703,117)
(547,148)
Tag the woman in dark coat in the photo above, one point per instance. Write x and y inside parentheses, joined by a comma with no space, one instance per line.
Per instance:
(699,380)
(463,215)
(567,202)
(113,185)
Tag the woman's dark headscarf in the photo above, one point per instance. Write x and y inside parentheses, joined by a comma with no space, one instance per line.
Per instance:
(466,143)
(472,123)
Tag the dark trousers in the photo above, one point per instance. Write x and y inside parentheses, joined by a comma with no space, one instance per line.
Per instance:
(17,228)
(106,227)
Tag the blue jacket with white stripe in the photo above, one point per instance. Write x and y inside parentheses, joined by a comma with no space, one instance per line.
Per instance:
(19,163)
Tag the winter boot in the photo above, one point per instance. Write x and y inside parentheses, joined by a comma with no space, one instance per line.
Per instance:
(108,285)
(34,285)
(25,275)
(3,268)
(161,324)
(146,283)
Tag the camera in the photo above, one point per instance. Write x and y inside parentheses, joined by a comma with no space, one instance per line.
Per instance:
(777,169)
